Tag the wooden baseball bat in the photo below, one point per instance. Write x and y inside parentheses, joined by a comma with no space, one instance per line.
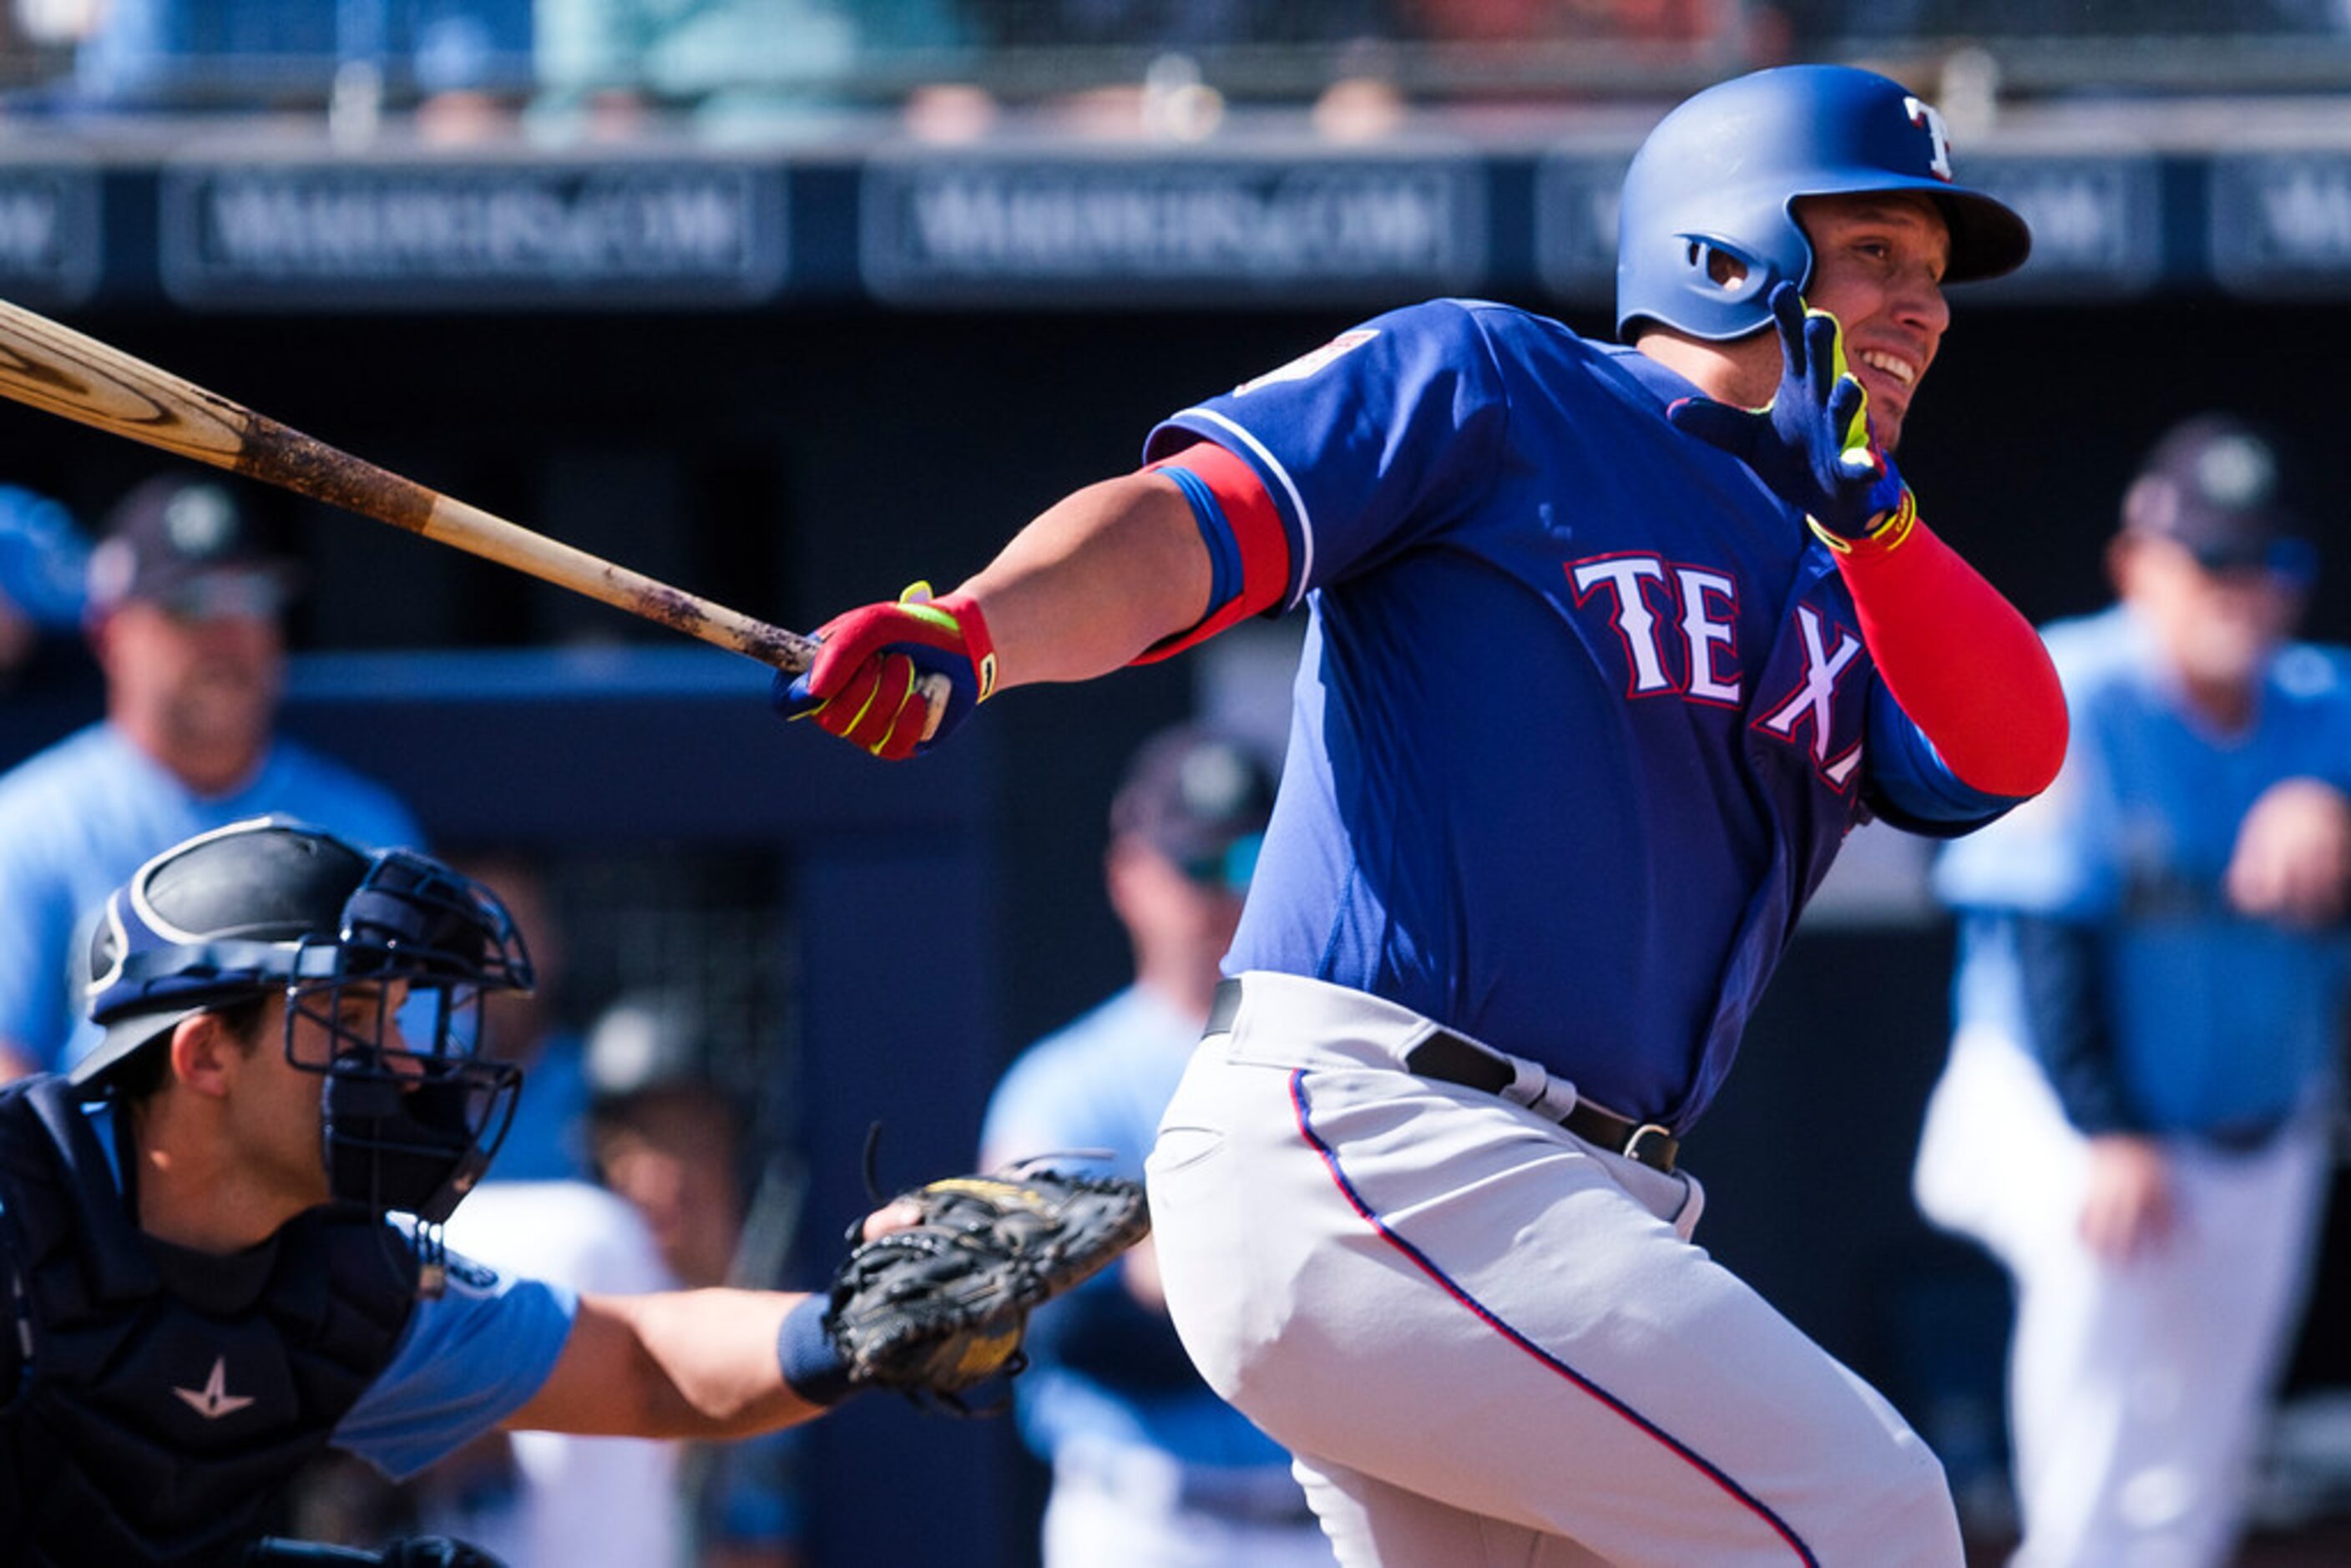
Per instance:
(53,367)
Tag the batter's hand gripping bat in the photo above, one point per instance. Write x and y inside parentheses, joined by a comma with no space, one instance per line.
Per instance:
(55,368)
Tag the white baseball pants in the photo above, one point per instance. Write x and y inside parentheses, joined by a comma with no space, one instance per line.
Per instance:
(1489,1343)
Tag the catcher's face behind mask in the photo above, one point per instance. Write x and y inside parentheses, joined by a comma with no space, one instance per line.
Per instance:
(383,960)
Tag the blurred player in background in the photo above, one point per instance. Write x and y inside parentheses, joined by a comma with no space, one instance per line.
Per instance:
(1605,658)
(549,1140)
(549,1499)
(672,1141)
(184,614)
(2149,1004)
(1151,1469)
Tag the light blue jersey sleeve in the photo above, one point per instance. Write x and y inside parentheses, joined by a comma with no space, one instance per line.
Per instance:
(2316,682)
(304,784)
(470,1358)
(45,830)
(2047,857)
(34,982)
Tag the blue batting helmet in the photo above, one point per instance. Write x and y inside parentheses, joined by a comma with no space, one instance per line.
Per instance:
(1722,172)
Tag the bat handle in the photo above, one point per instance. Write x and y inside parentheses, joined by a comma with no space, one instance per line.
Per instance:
(934,690)
(793,654)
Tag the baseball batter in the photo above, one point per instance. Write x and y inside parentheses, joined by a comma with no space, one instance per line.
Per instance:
(1605,657)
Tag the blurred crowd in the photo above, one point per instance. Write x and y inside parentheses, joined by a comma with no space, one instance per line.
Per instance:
(471,68)
(466,65)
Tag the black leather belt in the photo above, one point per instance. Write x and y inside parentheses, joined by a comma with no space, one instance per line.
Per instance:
(1450,1058)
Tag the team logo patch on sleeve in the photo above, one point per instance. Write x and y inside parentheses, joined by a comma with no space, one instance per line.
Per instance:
(1306,364)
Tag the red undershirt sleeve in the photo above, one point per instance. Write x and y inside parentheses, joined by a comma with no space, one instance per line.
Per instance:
(1964,664)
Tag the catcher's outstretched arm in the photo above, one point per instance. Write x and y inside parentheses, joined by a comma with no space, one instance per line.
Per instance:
(677,1364)
(701,1364)
(695,1363)
(934,1300)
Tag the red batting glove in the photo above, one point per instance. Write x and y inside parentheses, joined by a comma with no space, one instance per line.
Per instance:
(866,684)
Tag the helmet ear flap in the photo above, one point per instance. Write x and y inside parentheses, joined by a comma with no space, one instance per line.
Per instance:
(1735,276)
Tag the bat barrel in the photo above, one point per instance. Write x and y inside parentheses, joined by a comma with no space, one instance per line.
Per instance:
(51,367)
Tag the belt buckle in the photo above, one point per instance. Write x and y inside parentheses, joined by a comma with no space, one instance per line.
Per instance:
(1637,1147)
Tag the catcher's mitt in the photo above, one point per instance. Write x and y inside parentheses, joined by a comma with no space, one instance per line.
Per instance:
(939,1307)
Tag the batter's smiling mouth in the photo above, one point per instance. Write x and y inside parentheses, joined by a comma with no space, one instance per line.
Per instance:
(1901,370)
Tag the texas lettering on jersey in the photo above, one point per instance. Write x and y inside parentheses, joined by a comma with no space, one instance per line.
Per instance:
(1679,625)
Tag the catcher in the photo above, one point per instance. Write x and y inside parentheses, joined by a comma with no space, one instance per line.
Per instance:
(221,1228)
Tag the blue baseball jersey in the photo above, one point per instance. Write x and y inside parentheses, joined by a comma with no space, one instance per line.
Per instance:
(79,817)
(1583,713)
(2217,1019)
(1101,1084)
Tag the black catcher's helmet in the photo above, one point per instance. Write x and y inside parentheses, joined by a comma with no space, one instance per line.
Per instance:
(412,1114)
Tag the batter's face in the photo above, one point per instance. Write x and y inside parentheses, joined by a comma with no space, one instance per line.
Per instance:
(1878,262)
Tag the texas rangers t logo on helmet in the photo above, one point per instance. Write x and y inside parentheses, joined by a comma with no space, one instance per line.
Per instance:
(1928,118)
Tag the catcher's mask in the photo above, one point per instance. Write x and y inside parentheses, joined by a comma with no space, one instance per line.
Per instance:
(386,955)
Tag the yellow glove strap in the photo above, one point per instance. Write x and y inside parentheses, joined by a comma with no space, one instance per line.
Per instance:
(1886,533)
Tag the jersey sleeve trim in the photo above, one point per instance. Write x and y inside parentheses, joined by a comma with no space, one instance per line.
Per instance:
(1297,525)
(1224,572)
(1248,550)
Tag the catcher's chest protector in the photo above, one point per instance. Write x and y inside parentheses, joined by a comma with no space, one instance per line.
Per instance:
(169,1397)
